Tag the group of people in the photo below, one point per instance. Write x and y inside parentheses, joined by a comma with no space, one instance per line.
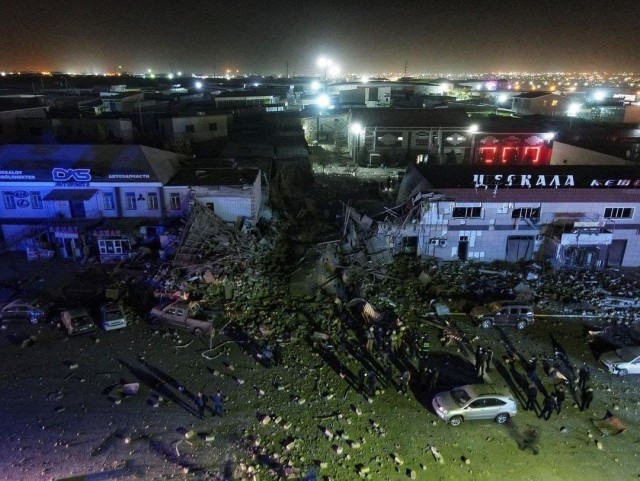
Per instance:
(216,400)
(483,359)
(553,401)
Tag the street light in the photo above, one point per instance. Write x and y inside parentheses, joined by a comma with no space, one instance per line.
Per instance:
(325,63)
(357,130)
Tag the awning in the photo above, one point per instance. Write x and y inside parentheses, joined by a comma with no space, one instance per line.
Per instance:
(70,194)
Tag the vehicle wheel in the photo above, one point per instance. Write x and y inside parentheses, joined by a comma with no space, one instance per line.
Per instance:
(198,332)
(33,320)
(623,372)
(155,322)
(455,421)
(502,418)
(486,323)
(521,325)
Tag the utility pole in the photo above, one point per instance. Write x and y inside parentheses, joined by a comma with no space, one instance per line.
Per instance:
(405,68)
(287,69)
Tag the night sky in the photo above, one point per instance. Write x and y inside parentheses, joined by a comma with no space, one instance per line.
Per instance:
(363,37)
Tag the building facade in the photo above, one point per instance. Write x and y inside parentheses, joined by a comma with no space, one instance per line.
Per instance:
(571,216)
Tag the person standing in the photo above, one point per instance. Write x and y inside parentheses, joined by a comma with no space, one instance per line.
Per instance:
(560,397)
(433,380)
(532,394)
(404,382)
(587,398)
(478,357)
(267,355)
(372,381)
(548,406)
(489,358)
(370,338)
(217,404)
(388,373)
(482,363)
(583,377)
(201,401)
(277,354)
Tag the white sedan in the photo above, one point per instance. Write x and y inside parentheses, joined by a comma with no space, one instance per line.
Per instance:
(623,361)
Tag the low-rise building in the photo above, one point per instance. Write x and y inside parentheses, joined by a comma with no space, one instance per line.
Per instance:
(571,216)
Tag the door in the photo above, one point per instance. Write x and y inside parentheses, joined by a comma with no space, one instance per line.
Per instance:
(463,248)
(616,252)
(519,248)
(77,209)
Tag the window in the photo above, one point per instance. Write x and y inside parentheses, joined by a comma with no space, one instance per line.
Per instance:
(109,201)
(113,246)
(213,126)
(152,201)
(467,212)
(130,201)
(9,200)
(189,128)
(526,213)
(36,200)
(174,201)
(618,212)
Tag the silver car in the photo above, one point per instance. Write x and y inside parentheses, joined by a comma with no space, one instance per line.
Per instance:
(623,361)
(474,401)
(112,317)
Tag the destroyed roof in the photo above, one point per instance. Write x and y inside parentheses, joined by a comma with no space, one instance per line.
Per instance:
(106,163)
(212,176)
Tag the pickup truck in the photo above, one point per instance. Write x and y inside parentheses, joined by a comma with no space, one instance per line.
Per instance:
(179,315)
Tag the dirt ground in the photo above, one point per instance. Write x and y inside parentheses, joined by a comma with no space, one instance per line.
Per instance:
(64,414)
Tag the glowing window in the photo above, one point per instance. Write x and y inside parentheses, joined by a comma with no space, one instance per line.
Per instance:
(509,154)
(532,154)
(487,154)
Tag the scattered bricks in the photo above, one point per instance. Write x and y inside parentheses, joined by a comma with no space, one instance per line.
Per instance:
(266,419)
(337,449)
(278,420)
(397,460)
(189,434)
(289,444)
(286,426)
(209,438)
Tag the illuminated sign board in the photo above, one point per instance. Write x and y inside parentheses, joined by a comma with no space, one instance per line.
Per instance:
(527,181)
(71,175)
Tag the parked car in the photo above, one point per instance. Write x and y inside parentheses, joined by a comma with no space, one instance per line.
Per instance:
(77,321)
(474,401)
(33,311)
(112,317)
(503,313)
(623,361)
(179,315)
